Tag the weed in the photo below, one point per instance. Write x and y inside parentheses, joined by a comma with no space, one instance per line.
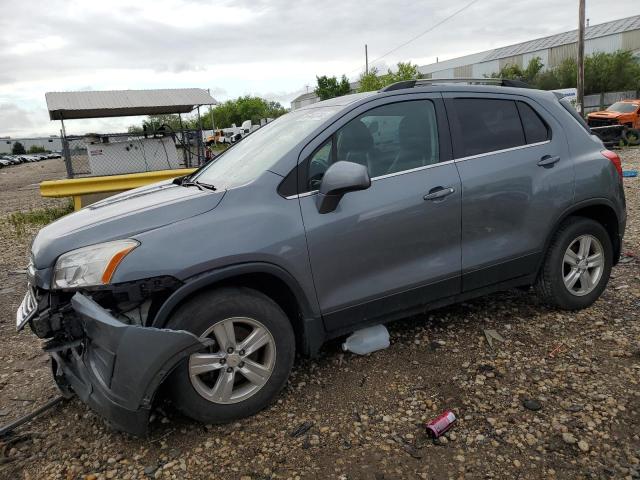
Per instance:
(39,217)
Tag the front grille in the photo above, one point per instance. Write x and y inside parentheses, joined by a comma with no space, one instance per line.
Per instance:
(601,122)
(27,308)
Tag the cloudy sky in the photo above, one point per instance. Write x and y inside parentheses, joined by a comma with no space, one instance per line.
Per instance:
(272,48)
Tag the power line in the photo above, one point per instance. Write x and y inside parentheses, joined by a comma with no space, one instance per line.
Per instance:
(421,34)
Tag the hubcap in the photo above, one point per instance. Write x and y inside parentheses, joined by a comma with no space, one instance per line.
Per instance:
(239,363)
(582,265)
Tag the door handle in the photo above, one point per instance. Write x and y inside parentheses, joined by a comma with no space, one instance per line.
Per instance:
(438,193)
(548,161)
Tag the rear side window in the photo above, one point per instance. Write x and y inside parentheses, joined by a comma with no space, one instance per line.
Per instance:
(535,130)
(484,125)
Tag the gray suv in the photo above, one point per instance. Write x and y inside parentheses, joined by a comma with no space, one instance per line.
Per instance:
(347,213)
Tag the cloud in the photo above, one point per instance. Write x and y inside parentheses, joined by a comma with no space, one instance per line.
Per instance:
(239,47)
(14,119)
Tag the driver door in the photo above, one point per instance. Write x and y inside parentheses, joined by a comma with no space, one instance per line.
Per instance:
(394,247)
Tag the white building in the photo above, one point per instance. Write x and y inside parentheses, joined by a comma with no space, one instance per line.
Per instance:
(609,37)
(52,143)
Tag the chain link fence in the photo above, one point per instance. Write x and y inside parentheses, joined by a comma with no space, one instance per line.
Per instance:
(94,155)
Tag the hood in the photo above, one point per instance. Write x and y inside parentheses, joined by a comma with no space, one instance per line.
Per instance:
(121,216)
(605,114)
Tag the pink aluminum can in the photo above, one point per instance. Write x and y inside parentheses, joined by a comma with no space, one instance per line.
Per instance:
(441,423)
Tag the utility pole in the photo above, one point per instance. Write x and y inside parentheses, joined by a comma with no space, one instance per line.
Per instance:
(366,60)
(580,82)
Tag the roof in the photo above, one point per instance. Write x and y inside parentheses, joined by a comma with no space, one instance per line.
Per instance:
(591,32)
(595,31)
(120,103)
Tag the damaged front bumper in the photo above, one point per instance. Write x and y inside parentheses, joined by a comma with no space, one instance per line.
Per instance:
(117,368)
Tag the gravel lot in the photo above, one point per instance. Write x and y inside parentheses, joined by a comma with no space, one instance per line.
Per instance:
(366,414)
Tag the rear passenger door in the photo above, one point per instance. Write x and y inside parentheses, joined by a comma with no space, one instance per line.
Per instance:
(516,177)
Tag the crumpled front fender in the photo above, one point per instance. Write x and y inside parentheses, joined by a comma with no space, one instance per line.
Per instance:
(119,367)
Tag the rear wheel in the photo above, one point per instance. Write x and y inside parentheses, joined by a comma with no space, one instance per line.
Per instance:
(249,359)
(577,266)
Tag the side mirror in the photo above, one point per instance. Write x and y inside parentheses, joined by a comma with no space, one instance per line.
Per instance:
(340,178)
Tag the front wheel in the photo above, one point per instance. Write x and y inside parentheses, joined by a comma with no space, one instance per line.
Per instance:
(577,266)
(246,366)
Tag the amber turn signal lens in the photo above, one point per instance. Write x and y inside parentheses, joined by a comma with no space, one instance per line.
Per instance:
(113,264)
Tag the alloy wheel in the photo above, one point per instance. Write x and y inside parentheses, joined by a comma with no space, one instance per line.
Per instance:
(239,363)
(582,265)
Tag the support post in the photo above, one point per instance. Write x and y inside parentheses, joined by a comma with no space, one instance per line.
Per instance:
(200,142)
(213,127)
(580,80)
(186,151)
(66,153)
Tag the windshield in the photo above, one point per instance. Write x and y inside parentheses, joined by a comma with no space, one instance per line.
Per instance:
(259,151)
(622,107)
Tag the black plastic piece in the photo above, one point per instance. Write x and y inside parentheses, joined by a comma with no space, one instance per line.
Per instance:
(506,82)
(399,85)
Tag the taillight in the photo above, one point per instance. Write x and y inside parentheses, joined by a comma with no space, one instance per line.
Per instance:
(615,159)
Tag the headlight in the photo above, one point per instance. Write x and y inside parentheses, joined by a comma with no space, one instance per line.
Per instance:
(92,265)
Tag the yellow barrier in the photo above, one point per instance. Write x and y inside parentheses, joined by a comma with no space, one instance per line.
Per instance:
(79,187)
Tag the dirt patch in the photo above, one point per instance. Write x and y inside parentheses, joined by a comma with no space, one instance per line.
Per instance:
(19,185)
(366,414)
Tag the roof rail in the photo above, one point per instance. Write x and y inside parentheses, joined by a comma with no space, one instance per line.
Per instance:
(502,82)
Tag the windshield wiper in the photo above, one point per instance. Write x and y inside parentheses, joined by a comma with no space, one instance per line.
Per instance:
(208,186)
(200,185)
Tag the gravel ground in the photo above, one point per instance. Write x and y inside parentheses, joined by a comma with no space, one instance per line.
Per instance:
(559,398)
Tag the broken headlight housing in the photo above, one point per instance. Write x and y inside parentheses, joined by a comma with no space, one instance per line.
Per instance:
(91,266)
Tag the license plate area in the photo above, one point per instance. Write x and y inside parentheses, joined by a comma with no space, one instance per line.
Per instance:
(27,308)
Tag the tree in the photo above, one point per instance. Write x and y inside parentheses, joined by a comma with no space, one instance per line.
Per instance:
(224,115)
(18,149)
(514,71)
(241,109)
(330,87)
(567,73)
(36,149)
(372,81)
(603,72)
(406,71)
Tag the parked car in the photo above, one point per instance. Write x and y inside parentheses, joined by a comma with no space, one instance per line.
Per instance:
(625,112)
(368,208)
(5,162)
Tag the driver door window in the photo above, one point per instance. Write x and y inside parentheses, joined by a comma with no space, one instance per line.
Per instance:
(387,139)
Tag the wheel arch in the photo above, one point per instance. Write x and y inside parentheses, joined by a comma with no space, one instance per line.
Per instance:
(602,211)
(269,279)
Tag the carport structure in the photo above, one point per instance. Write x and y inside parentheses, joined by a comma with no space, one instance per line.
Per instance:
(119,103)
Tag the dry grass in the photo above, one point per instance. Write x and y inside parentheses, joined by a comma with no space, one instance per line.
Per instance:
(20,221)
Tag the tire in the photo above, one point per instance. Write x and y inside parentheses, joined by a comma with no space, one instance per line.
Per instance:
(550,284)
(631,136)
(224,307)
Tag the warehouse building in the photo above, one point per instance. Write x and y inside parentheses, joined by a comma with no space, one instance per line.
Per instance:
(51,144)
(609,37)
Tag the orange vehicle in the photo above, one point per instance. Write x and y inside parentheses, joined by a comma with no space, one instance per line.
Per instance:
(624,112)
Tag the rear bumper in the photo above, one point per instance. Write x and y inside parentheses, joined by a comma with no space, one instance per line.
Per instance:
(117,368)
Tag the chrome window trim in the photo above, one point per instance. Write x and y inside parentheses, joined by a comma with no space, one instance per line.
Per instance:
(411,170)
(493,152)
(417,169)
(301,195)
(379,177)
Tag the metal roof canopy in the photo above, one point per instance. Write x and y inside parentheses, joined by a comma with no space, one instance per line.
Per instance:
(123,103)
